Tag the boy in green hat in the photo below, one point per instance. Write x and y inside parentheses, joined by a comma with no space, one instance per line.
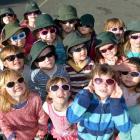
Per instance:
(107,49)
(44,67)
(14,34)
(79,65)
(47,31)
(67,19)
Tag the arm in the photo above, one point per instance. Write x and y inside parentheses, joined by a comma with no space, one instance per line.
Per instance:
(79,106)
(118,111)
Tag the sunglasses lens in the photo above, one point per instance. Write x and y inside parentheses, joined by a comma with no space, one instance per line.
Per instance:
(110,81)
(54,88)
(45,32)
(134,74)
(98,80)
(66,87)
(10,84)
(52,30)
(10,58)
(103,51)
(14,38)
(21,35)
(42,58)
(21,80)
(124,72)
(20,55)
(134,37)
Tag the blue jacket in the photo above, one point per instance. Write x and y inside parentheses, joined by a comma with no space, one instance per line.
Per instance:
(96,120)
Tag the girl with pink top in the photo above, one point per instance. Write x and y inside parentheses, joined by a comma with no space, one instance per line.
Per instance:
(56,105)
(21,114)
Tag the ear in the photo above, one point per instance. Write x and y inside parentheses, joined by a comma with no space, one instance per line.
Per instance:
(36,64)
(5,64)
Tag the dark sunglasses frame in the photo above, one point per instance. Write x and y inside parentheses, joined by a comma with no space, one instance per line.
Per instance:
(109,48)
(135,37)
(65,87)
(115,29)
(78,49)
(12,57)
(42,58)
(132,74)
(12,84)
(45,31)
(108,81)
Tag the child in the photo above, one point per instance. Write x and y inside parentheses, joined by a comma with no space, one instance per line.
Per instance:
(55,106)
(79,65)
(116,26)
(21,114)
(107,49)
(131,88)
(43,64)
(67,19)
(47,31)
(131,47)
(15,35)
(99,109)
(13,57)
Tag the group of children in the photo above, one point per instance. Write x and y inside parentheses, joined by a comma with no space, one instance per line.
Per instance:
(60,80)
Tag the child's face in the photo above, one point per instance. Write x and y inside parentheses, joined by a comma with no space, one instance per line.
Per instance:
(68,26)
(135,40)
(79,52)
(60,92)
(108,51)
(15,87)
(14,61)
(32,16)
(18,39)
(130,78)
(118,31)
(48,35)
(85,30)
(103,85)
(8,18)
(46,60)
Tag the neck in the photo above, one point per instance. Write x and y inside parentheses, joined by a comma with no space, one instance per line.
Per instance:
(135,49)
(60,107)
(78,62)
(31,24)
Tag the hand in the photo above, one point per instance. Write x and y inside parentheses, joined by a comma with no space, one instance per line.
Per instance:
(90,87)
(117,92)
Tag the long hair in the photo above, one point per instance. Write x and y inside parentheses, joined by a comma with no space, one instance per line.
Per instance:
(6,101)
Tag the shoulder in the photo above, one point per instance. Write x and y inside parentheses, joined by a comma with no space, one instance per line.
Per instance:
(34,73)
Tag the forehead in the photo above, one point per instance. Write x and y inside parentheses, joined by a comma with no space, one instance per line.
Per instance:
(103,76)
(136,33)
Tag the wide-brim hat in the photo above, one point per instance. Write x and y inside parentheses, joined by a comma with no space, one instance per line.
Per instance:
(43,21)
(35,51)
(67,12)
(87,19)
(31,6)
(105,38)
(10,29)
(74,39)
(133,27)
(6,10)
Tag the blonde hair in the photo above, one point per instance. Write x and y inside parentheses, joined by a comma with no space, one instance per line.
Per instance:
(51,82)
(6,101)
(8,49)
(109,23)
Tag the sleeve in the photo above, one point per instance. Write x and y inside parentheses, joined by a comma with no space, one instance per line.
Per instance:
(119,115)
(45,107)
(42,119)
(5,127)
(79,106)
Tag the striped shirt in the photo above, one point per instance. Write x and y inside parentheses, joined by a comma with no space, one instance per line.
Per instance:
(97,120)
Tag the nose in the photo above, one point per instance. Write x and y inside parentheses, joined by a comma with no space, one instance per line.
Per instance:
(60,92)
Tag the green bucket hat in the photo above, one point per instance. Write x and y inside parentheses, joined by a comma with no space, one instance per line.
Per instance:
(87,19)
(74,39)
(10,29)
(31,6)
(36,49)
(105,38)
(46,21)
(67,12)
(6,10)
(133,27)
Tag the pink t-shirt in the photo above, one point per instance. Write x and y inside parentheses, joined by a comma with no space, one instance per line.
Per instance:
(26,121)
(62,129)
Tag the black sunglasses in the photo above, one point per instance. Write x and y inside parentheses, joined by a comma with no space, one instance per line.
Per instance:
(12,57)
(11,84)
(78,49)
(7,14)
(133,74)
(42,58)
(65,87)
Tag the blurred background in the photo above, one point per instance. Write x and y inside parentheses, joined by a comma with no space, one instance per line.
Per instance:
(127,10)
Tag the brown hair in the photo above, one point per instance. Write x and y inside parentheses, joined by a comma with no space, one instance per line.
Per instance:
(8,49)
(6,101)
(51,82)
(109,23)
